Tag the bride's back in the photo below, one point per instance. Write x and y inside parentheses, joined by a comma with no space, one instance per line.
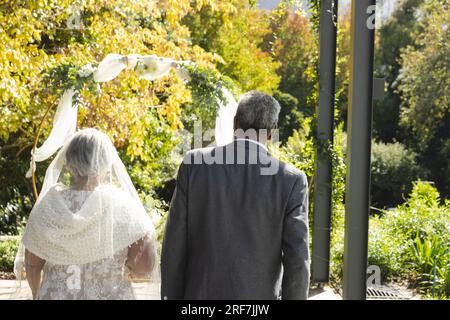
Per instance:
(87,216)
(97,280)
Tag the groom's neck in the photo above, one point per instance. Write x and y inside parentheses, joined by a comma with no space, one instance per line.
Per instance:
(258,137)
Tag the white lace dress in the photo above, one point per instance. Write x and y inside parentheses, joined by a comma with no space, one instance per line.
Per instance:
(107,279)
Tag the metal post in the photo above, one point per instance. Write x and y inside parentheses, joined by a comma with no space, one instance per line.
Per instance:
(325,117)
(359,148)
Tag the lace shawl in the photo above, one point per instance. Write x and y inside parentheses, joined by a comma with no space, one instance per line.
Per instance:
(107,222)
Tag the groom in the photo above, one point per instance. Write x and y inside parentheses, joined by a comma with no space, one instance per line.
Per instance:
(238,220)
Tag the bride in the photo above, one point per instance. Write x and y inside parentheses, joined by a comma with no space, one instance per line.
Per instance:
(88,234)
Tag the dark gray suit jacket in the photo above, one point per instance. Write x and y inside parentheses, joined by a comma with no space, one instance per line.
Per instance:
(232,230)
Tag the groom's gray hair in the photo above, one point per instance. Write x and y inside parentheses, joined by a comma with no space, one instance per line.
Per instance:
(257,110)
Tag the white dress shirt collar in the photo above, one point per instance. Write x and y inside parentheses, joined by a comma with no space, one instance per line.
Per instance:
(254,141)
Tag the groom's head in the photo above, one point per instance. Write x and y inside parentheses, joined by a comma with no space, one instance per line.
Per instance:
(257,114)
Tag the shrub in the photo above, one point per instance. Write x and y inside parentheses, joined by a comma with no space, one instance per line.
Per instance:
(425,222)
(385,250)
(394,168)
(8,250)
(337,245)
(431,258)
(290,117)
(405,242)
(423,213)
(16,195)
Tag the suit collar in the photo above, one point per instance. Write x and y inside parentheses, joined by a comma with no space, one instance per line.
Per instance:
(253,144)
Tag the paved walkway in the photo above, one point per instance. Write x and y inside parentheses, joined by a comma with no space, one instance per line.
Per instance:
(8,291)
(143,291)
(325,293)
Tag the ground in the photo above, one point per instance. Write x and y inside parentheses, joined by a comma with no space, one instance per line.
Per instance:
(8,292)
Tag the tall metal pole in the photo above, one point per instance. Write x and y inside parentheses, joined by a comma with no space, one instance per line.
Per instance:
(325,117)
(359,148)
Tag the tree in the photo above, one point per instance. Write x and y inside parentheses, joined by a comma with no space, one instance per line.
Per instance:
(424,84)
(237,39)
(343,48)
(290,119)
(394,169)
(245,62)
(142,118)
(394,35)
(294,47)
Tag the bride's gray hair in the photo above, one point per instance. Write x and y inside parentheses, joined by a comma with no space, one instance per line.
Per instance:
(89,153)
(257,110)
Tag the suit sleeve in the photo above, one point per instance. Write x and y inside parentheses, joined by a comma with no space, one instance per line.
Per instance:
(295,243)
(174,248)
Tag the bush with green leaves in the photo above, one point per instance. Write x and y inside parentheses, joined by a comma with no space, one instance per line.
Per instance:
(206,86)
(16,197)
(158,211)
(406,241)
(431,258)
(423,222)
(386,250)
(8,250)
(394,168)
(290,117)
(423,213)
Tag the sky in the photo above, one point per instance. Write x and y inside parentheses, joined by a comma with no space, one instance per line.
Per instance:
(384,7)
(270,4)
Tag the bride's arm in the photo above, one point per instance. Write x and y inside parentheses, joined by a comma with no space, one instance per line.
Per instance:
(33,269)
(141,257)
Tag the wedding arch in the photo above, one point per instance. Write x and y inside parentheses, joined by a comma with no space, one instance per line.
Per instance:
(149,67)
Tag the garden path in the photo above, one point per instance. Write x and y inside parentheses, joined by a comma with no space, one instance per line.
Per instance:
(7,292)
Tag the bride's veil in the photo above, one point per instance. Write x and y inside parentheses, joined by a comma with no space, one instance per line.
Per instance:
(105,166)
(110,219)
